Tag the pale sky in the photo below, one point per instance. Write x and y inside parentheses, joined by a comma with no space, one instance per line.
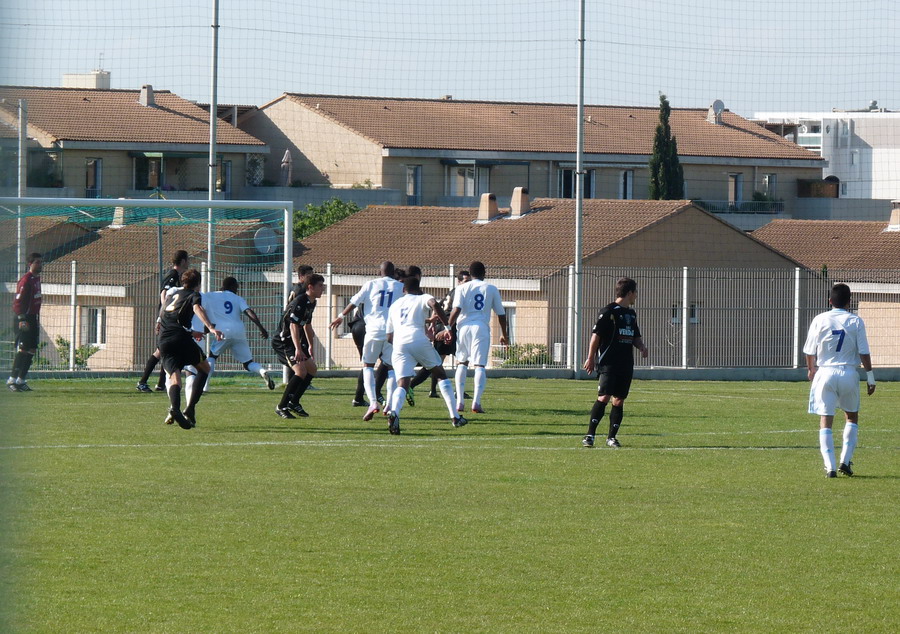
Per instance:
(755,55)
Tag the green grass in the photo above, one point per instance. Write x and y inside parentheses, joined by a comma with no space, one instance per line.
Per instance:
(714,516)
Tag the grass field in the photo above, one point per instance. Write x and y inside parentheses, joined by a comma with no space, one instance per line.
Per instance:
(714,516)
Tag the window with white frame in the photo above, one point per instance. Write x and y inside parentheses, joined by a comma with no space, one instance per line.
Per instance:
(510,309)
(93,326)
(413,184)
(693,314)
(626,184)
(468,180)
(567,183)
(770,183)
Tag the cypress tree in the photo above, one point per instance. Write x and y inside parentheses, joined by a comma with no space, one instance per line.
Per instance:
(666,174)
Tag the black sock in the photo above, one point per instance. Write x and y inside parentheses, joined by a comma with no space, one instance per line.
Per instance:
(434,383)
(419,378)
(360,389)
(596,415)
(380,377)
(161,381)
(175,396)
(615,420)
(197,390)
(148,368)
(25,365)
(18,365)
(302,389)
(291,387)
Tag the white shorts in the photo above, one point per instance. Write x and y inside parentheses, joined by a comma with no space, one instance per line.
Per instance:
(239,347)
(834,388)
(375,348)
(473,344)
(408,355)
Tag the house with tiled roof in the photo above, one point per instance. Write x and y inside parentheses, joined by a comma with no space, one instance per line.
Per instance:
(448,152)
(528,250)
(95,143)
(863,254)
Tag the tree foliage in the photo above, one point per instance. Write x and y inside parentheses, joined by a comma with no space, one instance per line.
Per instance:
(317,217)
(666,174)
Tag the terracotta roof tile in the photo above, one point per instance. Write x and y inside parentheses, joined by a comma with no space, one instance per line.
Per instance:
(837,244)
(540,127)
(78,114)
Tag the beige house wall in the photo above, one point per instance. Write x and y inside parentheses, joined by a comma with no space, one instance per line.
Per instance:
(882,322)
(323,153)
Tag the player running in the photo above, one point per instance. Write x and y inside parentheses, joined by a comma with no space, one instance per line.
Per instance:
(375,297)
(615,334)
(405,329)
(835,345)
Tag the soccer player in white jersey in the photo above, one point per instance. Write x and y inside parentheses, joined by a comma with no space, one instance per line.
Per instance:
(375,298)
(471,315)
(411,346)
(835,345)
(225,308)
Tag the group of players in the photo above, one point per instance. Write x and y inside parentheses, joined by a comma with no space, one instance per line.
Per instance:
(401,327)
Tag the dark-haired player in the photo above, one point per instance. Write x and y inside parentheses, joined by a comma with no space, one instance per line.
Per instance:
(615,335)
(27,309)
(180,264)
(177,347)
(835,345)
(294,346)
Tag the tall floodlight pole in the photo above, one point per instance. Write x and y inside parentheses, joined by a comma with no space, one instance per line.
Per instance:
(579,198)
(23,182)
(213,121)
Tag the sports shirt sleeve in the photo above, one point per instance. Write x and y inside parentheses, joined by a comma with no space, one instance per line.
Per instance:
(606,324)
(361,295)
(496,301)
(811,347)
(862,341)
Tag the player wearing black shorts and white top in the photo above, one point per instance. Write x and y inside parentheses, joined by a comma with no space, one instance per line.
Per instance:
(613,337)
(411,346)
(835,345)
(177,346)
(180,263)
(293,346)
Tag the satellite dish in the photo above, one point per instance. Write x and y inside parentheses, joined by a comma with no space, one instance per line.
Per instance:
(803,129)
(718,107)
(265,240)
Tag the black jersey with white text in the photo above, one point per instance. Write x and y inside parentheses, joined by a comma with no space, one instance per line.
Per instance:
(299,311)
(171,280)
(617,328)
(175,317)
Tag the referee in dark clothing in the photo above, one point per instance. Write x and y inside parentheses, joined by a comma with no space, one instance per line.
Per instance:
(615,334)
(27,308)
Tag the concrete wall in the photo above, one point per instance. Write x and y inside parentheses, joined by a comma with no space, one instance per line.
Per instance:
(841,209)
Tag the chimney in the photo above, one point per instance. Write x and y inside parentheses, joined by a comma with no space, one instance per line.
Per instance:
(146,98)
(488,209)
(714,114)
(520,203)
(894,223)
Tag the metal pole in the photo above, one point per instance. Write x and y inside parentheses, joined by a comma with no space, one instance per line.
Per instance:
(213,121)
(23,184)
(685,316)
(288,264)
(73,313)
(579,195)
(329,281)
(571,353)
(796,347)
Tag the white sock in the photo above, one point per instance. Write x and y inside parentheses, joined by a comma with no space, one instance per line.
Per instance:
(851,431)
(390,386)
(461,384)
(446,388)
(212,366)
(480,382)
(399,398)
(20,381)
(826,446)
(10,380)
(189,386)
(369,384)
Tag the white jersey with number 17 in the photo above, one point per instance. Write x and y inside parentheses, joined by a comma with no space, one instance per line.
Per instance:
(836,338)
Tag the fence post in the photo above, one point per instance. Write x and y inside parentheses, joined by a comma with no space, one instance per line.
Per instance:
(685,317)
(796,348)
(288,266)
(329,340)
(570,323)
(73,309)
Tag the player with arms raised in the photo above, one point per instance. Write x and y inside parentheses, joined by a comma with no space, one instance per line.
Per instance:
(835,345)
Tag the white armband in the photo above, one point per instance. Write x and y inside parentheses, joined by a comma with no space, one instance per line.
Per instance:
(870,377)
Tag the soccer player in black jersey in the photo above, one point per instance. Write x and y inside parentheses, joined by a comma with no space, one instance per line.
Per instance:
(180,263)
(178,348)
(613,337)
(293,346)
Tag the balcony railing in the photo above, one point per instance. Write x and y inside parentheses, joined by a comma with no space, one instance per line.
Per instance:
(741,207)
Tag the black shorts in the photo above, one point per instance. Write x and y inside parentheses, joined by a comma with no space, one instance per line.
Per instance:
(285,351)
(175,352)
(614,381)
(445,348)
(28,339)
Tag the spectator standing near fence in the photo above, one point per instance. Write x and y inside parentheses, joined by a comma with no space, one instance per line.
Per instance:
(611,353)
(835,345)
(27,309)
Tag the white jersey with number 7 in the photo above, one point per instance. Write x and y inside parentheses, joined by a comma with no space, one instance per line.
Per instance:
(836,338)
